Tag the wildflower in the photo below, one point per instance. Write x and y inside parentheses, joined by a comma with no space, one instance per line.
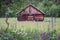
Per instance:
(22,33)
(39,34)
(14,31)
(43,35)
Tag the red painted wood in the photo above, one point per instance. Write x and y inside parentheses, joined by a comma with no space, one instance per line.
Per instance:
(30,13)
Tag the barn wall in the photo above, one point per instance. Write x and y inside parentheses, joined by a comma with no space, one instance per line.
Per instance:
(34,11)
(35,17)
(30,14)
(30,18)
(22,18)
(39,17)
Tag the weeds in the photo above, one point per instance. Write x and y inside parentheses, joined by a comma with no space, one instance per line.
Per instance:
(29,35)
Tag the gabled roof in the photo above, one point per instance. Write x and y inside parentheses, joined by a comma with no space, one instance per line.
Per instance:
(33,7)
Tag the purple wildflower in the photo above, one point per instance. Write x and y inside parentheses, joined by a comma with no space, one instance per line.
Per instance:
(43,35)
(39,34)
(48,34)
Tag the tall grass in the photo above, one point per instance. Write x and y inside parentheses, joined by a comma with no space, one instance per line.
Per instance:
(29,30)
(28,35)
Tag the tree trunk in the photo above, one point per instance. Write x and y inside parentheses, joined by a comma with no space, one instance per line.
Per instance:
(7,24)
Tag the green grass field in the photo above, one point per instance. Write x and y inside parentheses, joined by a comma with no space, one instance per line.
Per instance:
(41,26)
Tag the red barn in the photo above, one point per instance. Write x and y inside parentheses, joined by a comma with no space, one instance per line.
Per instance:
(30,13)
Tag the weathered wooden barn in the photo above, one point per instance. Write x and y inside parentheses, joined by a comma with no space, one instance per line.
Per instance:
(30,13)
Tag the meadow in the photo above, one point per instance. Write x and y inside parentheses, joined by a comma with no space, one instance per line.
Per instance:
(30,26)
(42,26)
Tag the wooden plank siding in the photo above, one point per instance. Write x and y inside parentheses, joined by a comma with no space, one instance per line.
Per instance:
(31,13)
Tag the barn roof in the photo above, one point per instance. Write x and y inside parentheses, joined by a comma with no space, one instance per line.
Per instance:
(33,7)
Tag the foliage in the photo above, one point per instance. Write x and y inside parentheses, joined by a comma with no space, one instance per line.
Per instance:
(47,6)
(28,35)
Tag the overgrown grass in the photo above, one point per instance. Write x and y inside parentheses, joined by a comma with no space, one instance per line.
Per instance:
(27,34)
(29,30)
(42,26)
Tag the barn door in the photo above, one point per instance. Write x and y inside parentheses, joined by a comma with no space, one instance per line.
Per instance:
(30,18)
